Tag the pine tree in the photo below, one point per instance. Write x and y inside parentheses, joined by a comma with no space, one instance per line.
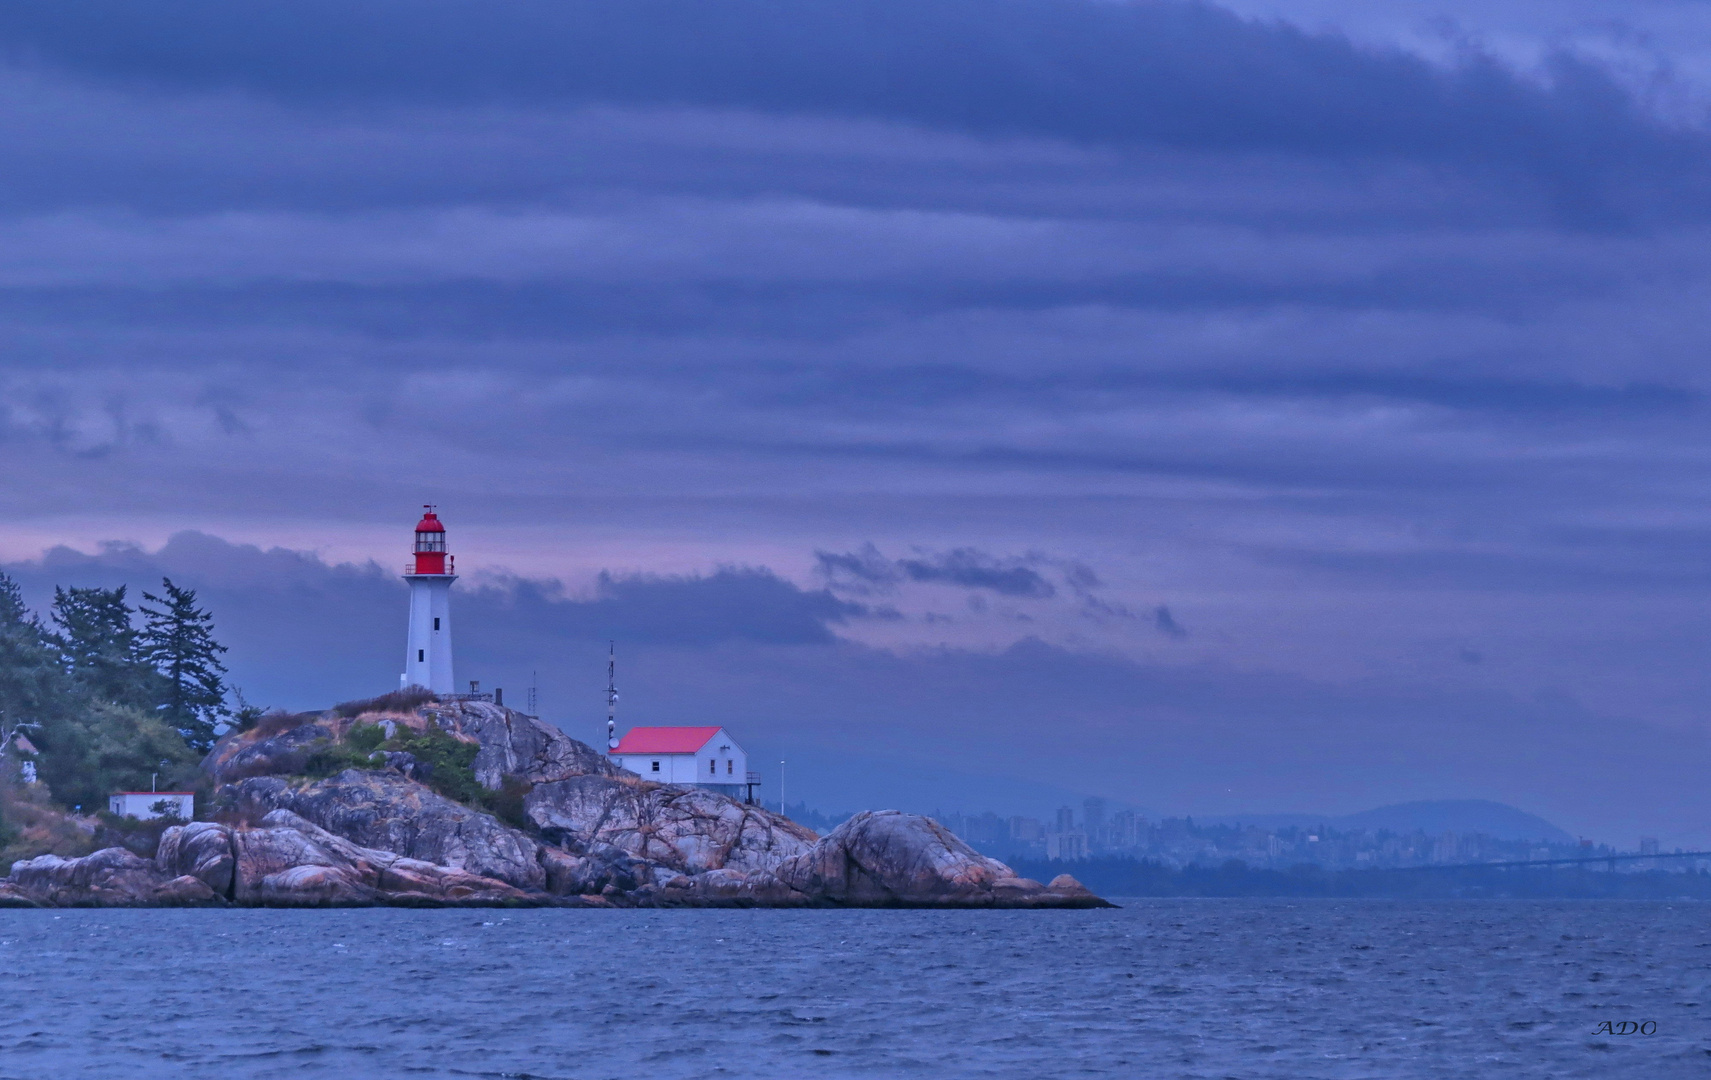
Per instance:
(68,682)
(12,609)
(98,646)
(31,680)
(178,642)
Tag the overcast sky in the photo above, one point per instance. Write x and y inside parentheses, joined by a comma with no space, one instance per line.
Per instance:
(1294,405)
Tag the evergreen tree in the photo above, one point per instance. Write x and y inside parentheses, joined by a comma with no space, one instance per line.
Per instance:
(12,609)
(68,680)
(178,642)
(124,747)
(32,683)
(98,646)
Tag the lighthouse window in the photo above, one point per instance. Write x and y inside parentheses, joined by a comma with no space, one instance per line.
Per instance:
(656,766)
(421,655)
(436,624)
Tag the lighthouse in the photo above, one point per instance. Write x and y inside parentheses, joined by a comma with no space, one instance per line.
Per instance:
(428,661)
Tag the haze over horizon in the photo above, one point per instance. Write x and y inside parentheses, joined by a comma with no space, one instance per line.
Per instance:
(1288,405)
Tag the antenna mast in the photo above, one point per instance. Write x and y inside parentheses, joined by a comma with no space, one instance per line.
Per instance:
(612,695)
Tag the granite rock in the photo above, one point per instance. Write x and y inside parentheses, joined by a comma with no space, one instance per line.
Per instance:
(278,744)
(291,861)
(596,831)
(881,858)
(186,889)
(405,764)
(202,850)
(513,744)
(686,829)
(600,871)
(388,812)
(11,896)
(111,877)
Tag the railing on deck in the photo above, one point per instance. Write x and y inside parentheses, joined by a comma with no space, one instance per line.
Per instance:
(451,568)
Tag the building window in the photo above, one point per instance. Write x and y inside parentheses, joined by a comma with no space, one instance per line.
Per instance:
(421,655)
(730,767)
(656,766)
(436,624)
(712,768)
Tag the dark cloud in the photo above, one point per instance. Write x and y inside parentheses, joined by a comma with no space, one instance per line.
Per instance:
(864,726)
(863,571)
(741,603)
(1167,624)
(973,569)
(969,568)
(1176,74)
(302,631)
(1354,356)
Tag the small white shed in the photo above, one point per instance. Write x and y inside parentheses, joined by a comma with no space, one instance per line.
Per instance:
(144,805)
(703,756)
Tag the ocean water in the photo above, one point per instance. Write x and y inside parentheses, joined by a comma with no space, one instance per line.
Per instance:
(1162,988)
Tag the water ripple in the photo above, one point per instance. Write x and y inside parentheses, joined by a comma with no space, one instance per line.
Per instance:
(1289,990)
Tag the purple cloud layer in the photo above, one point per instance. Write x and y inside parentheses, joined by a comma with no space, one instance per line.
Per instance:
(1332,363)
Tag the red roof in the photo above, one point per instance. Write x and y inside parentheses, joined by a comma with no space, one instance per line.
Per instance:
(665,740)
(430,522)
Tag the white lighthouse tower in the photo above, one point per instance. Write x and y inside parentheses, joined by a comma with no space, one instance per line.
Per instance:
(428,662)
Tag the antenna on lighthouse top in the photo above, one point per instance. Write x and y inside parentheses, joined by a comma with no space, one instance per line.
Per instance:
(612,695)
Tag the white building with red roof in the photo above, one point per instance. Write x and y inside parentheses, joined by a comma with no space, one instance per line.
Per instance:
(703,756)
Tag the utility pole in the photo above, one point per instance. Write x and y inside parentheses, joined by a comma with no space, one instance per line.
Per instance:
(611,695)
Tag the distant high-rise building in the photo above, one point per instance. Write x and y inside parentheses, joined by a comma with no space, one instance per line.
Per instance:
(1066,845)
(1065,819)
(1093,821)
(1123,832)
(987,828)
(1445,849)
(1027,830)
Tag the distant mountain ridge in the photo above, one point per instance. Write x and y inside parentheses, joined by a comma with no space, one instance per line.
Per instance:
(1431,816)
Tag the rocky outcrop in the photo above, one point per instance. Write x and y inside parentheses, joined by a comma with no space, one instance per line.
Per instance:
(279,743)
(285,861)
(886,856)
(112,877)
(293,862)
(201,850)
(11,896)
(602,871)
(513,744)
(882,859)
(406,764)
(389,812)
(689,830)
(594,833)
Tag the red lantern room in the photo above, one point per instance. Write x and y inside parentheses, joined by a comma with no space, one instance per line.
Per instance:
(431,557)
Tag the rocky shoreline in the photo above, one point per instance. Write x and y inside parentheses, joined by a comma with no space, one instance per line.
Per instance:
(579,832)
